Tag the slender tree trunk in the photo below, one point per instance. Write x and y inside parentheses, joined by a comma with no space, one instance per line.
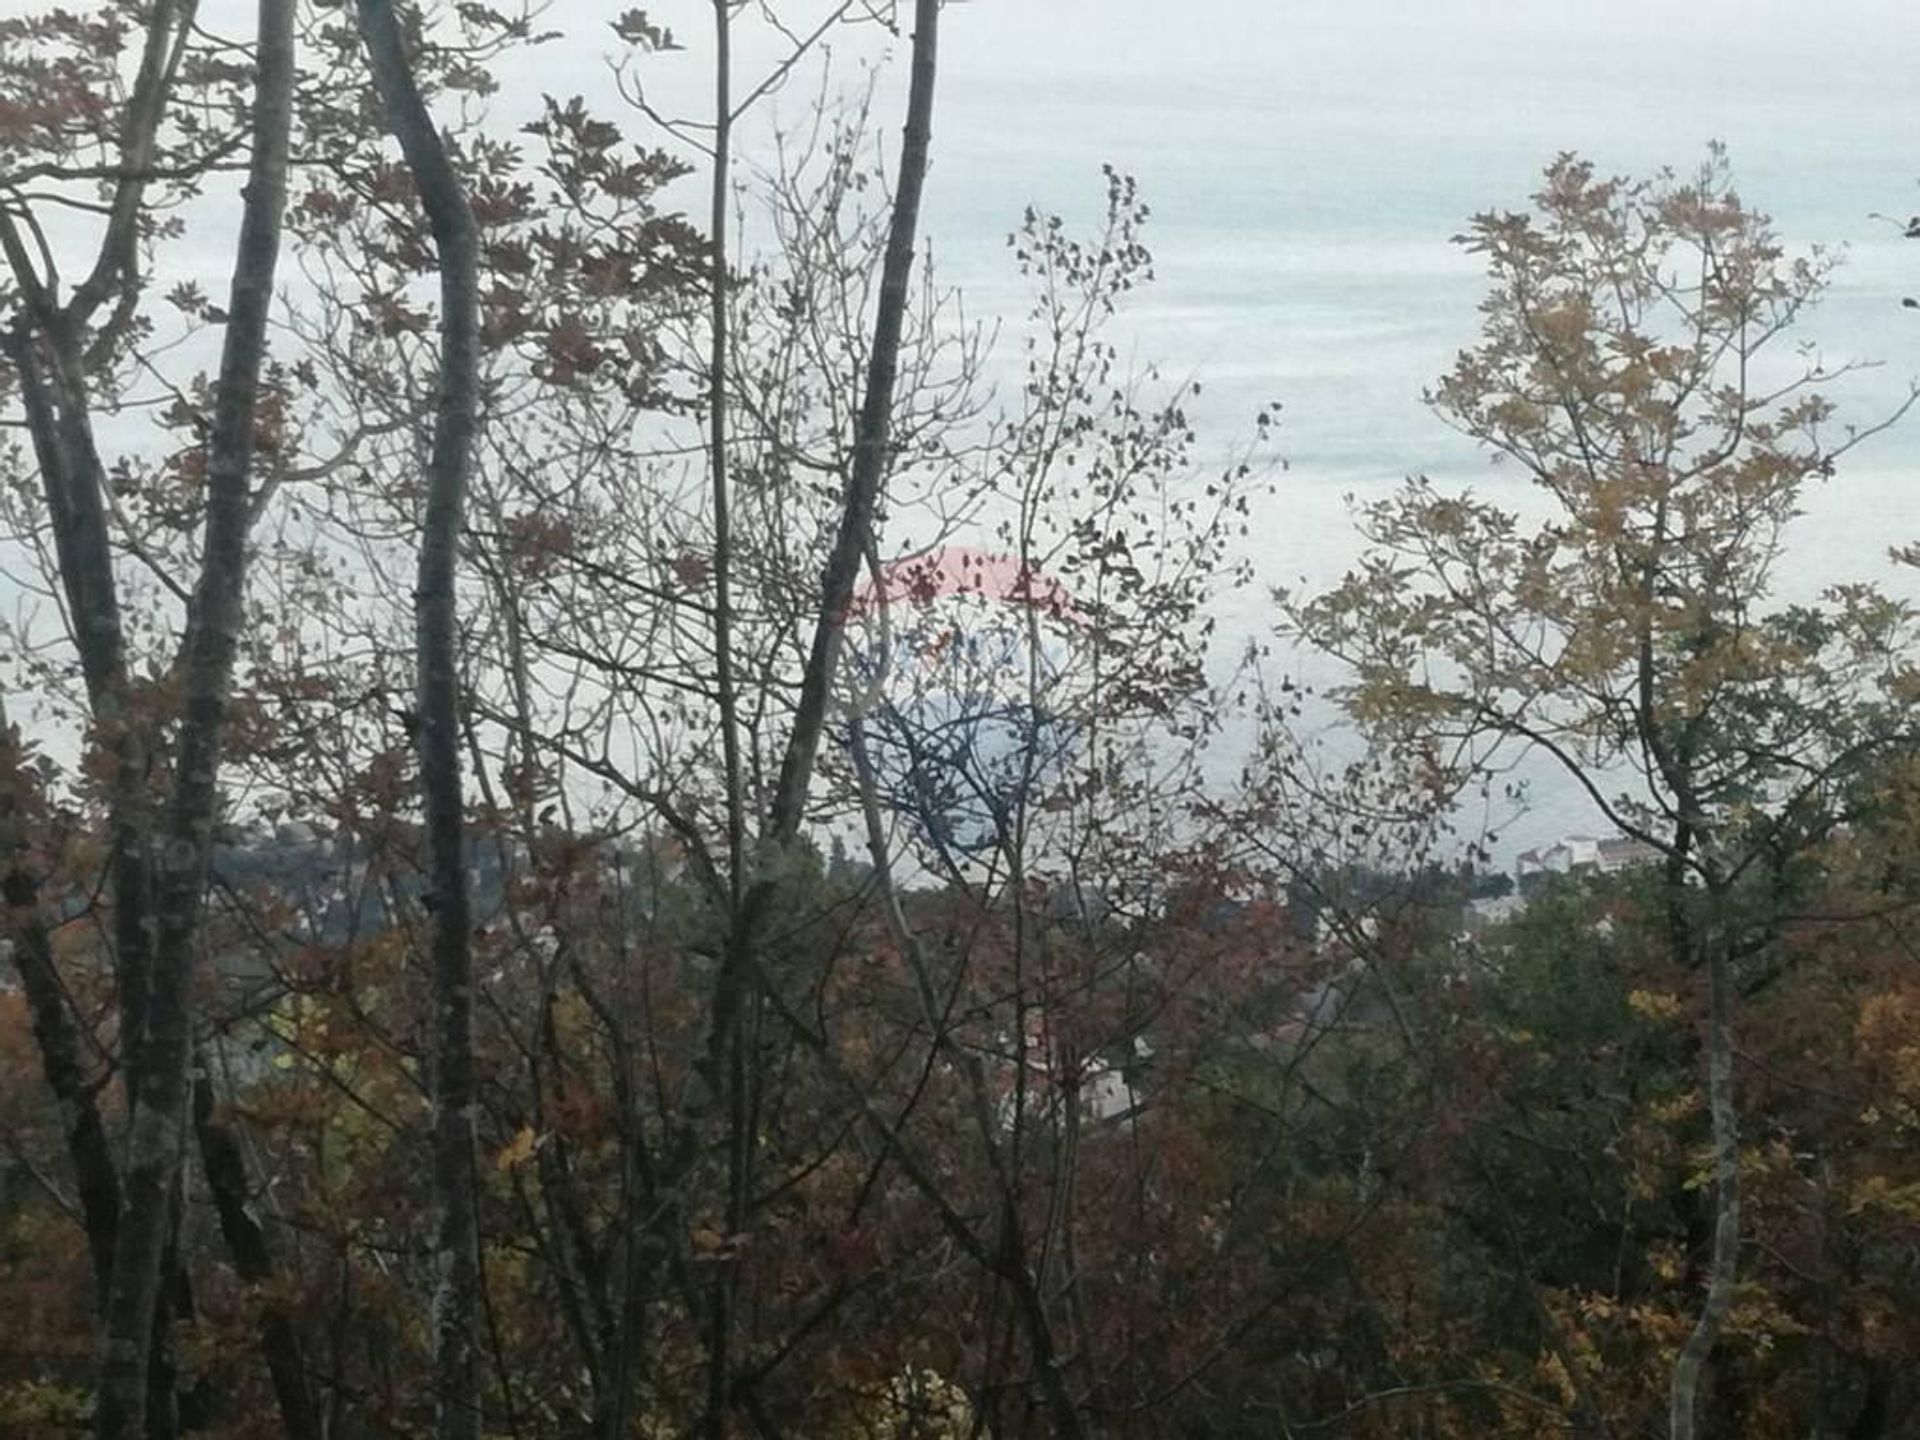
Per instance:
(721,1065)
(253,1260)
(44,344)
(158,1079)
(45,357)
(50,359)
(733,984)
(58,1040)
(43,350)
(735,1079)
(716,1074)
(858,505)
(872,441)
(1723,1268)
(133,1228)
(456,1185)
(168,24)
(717,446)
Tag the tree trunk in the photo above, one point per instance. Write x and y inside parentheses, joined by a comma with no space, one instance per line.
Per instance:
(45,357)
(456,1186)
(253,1261)
(716,1080)
(736,1082)
(158,1076)
(57,1038)
(1723,1268)
(872,435)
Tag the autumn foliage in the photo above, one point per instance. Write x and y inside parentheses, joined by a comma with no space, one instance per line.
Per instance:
(827,1077)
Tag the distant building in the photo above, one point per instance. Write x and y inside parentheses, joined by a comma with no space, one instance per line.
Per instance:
(1626,853)
(1555,859)
(1106,1093)
(1582,853)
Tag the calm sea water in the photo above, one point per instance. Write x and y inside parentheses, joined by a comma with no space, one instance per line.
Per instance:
(1308,165)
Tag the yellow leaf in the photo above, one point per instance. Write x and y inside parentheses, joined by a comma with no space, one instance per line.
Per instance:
(516,1151)
(1665,1112)
(709,1244)
(1653,1005)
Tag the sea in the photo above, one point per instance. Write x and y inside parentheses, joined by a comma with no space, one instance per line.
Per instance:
(1308,165)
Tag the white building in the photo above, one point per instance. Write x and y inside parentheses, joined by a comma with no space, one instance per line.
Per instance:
(1583,852)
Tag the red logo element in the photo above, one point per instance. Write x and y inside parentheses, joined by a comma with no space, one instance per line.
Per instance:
(960,668)
(954,570)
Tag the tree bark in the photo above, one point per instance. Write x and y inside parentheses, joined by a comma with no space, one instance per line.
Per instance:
(45,346)
(57,1036)
(457,1292)
(158,1076)
(734,982)
(253,1260)
(1723,1268)
(734,1078)
(44,352)
(872,435)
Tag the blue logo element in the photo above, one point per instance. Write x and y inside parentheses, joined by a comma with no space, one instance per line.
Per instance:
(960,665)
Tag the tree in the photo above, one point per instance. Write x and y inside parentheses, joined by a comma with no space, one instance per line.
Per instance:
(145,561)
(1628,366)
(456,415)
(55,346)
(606,577)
